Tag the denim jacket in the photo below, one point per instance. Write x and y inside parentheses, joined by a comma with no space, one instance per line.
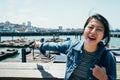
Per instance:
(73,50)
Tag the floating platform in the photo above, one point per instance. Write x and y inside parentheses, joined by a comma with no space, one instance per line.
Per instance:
(8,53)
(18,43)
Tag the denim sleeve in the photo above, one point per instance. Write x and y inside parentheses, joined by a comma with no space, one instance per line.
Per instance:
(60,47)
(111,64)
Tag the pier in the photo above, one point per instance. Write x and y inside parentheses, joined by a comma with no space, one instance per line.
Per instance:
(115,34)
(21,34)
(36,71)
(38,33)
(36,67)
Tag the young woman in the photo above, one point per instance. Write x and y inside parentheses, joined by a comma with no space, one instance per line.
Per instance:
(87,59)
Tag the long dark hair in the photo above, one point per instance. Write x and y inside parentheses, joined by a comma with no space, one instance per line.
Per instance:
(105,23)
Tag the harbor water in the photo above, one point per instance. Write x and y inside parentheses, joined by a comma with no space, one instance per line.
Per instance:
(113,42)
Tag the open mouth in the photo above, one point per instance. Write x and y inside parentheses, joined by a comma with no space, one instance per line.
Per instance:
(91,38)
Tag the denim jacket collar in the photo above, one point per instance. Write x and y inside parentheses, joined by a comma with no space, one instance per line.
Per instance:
(98,53)
(79,46)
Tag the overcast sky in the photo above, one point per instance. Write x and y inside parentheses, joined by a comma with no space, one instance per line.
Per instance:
(54,13)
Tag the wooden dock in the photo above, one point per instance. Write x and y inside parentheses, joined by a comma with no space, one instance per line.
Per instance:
(36,71)
(25,71)
(36,68)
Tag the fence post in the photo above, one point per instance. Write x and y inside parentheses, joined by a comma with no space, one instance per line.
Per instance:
(23,55)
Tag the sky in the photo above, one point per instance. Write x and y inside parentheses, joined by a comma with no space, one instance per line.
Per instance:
(54,13)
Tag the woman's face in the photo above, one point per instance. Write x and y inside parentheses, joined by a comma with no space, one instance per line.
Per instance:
(94,32)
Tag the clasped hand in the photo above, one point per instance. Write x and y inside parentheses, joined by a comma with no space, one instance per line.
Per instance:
(100,72)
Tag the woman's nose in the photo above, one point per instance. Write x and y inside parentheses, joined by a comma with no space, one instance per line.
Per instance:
(93,31)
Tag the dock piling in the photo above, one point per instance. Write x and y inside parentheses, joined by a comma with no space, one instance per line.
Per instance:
(23,55)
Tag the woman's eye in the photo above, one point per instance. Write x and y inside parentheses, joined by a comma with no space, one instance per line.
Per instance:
(99,29)
(90,27)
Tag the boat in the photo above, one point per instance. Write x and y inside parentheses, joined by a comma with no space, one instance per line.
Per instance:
(11,52)
(8,53)
(3,55)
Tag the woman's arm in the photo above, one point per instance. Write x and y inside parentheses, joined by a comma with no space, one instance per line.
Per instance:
(52,46)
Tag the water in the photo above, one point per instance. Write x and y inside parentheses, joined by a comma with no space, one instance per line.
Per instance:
(113,42)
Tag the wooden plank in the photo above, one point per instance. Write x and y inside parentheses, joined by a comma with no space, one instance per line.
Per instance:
(32,70)
(32,66)
(24,71)
(118,71)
